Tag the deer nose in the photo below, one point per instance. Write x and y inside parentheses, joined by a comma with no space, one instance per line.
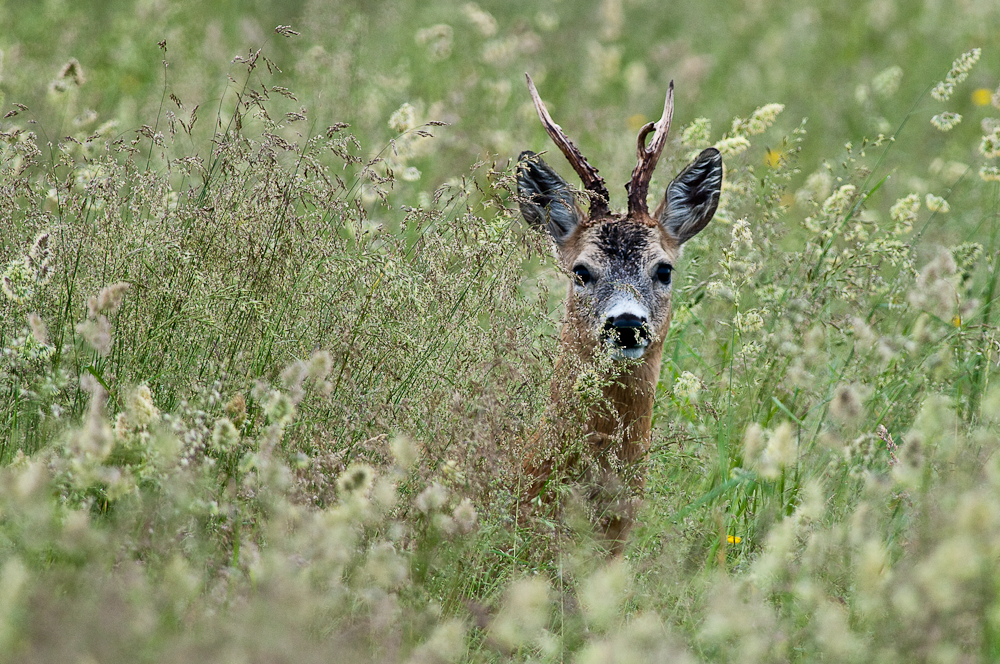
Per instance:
(627,330)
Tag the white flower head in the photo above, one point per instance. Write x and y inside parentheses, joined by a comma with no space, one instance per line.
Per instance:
(838,201)
(886,82)
(481,19)
(141,407)
(437,39)
(742,233)
(961,67)
(946,121)
(990,144)
(732,146)
(959,71)
(936,204)
(781,451)
(943,90)
(687,386)
(748,322)
(404,119)
(698,133)
(465,516)
(990,173)
(432,498)
(356,480)
(763,118)
(904,213)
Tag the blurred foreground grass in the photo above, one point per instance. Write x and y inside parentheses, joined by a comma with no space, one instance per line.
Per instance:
(266,377)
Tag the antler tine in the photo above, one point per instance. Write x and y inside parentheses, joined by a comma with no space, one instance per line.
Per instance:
(592,180)
(648,155)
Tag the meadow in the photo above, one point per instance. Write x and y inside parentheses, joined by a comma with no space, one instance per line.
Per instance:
(274,334)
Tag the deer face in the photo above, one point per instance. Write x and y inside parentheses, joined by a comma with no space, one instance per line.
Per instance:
(621,285)
(621,265)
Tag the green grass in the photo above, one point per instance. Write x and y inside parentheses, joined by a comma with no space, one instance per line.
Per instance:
(296,433)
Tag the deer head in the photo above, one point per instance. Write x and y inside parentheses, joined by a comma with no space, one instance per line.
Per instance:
(622,264)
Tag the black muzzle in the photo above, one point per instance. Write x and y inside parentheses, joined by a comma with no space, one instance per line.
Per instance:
(627,331)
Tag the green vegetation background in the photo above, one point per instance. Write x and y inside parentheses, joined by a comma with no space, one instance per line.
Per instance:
(597,64)
(295,435)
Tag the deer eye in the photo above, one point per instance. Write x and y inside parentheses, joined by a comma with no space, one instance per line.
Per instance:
(663,271)
(582,275)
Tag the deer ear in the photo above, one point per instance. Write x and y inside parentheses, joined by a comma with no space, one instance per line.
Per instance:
(692,197)
(546,199)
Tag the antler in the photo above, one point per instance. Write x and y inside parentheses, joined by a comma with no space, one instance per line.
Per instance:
(648,156)
(592,180)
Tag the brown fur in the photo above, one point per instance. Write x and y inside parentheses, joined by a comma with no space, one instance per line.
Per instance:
(618,433)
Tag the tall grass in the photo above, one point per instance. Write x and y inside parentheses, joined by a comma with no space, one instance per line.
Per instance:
(263,399)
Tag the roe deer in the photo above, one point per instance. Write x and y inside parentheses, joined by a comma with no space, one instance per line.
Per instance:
(618,304)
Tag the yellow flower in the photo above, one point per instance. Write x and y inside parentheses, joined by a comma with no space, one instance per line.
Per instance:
(957,321)
(772,158)
(981,96)
(734,539)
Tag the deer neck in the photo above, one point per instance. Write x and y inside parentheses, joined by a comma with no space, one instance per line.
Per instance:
(623,419)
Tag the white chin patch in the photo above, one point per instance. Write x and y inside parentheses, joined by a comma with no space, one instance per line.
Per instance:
(632,353)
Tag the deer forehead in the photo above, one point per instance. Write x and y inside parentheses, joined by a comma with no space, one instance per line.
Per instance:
(620,243)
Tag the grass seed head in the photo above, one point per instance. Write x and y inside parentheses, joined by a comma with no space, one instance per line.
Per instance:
(404,450)
(748,322)
(437,39)
(524,614)
(753,442)
(432,498)
(839,200)
(904,213)
(445,645)
(356,480)
(781,451)
(225,436)
(846,404)
(732,146)
(465,516)
(761,119)
(142,411)
(23,276)
(38,330)
(946,121)
(279,407)
(936,204)
(236,409)
(989,173)
(96,332)
(963,64)
(989,146)
(108,300)
(687,386)
(817,187)
(959,71)
(403,119)
(481,19)
(603,593)
(698,134)
(69,76)
(886,82)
